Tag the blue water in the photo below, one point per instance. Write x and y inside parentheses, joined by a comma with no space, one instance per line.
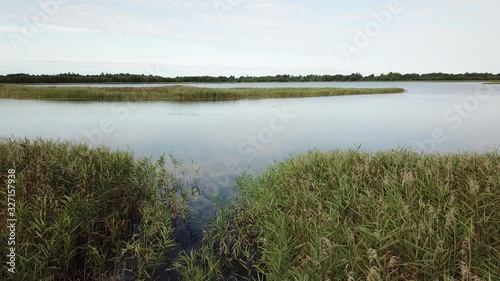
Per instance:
(218,140)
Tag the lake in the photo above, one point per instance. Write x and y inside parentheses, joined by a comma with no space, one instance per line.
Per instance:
(218,140)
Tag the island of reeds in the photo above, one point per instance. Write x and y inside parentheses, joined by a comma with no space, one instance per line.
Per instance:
(336,215)
(177,93)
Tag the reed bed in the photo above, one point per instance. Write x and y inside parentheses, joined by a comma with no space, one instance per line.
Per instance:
(177,93)
(349,215)
(86,213)
(95,214)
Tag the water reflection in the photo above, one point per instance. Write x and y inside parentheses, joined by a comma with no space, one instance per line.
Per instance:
(214,142)
(225,138)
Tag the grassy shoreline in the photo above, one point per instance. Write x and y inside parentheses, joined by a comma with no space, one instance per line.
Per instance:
(338,215)
(79,209)
(349,215)
(179,93)
(493,82)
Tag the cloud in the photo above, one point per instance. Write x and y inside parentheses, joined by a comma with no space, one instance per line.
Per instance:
(10,28)
(270,34)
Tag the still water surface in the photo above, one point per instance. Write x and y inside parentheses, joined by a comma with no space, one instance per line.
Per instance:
(218,140)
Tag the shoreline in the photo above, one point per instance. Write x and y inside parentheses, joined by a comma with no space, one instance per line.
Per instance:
(178,93)
(313,208)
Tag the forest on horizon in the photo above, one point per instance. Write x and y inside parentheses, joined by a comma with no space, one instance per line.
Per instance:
(142,78)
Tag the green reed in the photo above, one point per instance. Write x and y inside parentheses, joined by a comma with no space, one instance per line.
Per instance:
(338,215)
(177,93)
(86,213)
(349,215)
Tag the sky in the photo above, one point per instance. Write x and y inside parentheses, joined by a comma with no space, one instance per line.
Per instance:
(249,37)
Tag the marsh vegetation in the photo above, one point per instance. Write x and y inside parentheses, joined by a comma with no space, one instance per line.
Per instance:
(92,213)
(178,93)
(87,213)
(349,215)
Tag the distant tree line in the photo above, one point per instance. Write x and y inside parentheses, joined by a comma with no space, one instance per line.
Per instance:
(141,78)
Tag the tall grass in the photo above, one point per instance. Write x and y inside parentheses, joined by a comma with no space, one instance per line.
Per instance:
(95,214)
(86,213)
(178,93)
(349,215)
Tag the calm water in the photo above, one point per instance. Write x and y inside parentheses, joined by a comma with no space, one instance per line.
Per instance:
(219,140)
